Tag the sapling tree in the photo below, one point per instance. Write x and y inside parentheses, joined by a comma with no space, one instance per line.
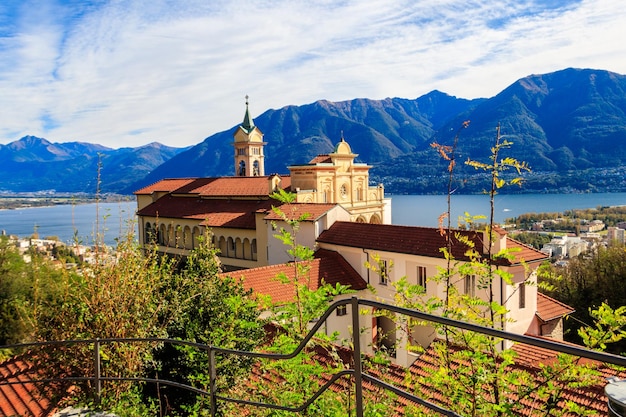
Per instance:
(475,372)
(301,376)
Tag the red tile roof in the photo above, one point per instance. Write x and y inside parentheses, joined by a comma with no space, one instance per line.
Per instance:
(24,398)
(328,267)
(321,159)
(238,214)
(234,186)
(523,252)
(423,241)
(233,213)
(549,309)
(253,187)
(166,185)
(529,358)
(293,211)
(532,359)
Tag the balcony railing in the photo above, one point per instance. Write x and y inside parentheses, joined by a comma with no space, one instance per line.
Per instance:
(357,374)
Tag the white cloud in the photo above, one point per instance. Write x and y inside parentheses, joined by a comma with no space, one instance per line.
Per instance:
(125,73)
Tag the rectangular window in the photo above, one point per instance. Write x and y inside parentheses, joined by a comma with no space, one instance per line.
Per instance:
(342,310)
(421,276)
(470,285)
(384,272)
(522,295)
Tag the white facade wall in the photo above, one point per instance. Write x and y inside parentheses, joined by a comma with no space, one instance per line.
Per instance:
(615,234)
(404,265)
(307,234)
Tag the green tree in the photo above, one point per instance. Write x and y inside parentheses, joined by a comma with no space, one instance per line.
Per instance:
(474,372)
(26,288)
(300,377)
(13,289)
(206,308)
(117,297)
(587,282)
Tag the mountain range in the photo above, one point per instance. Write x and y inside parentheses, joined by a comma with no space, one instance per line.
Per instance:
(569,126)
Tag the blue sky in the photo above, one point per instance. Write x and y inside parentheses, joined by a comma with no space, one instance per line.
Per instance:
(127,73)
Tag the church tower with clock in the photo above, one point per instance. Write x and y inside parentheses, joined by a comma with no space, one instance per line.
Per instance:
(333,178)
(248,144)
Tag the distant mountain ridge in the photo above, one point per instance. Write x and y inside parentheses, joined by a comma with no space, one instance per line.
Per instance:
(35,164)
(569,125)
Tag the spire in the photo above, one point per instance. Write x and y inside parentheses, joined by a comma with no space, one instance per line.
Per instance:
(248,123)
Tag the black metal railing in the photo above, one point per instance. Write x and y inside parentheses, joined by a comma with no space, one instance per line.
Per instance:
(356,373)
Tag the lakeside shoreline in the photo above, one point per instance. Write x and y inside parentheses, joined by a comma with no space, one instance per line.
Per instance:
(23,202)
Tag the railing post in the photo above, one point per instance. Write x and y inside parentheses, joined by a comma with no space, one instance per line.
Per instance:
(356,340)
(212,378)
(97,370)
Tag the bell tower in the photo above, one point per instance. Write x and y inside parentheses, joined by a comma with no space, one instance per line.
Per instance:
(248,144)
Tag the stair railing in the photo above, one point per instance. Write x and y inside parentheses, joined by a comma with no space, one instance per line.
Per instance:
(356,373)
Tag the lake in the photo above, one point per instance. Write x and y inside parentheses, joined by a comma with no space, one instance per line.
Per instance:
(424,210)
(114,219)
(110,220)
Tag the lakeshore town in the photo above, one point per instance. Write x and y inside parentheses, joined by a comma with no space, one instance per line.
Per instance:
(561,247)
(348,223)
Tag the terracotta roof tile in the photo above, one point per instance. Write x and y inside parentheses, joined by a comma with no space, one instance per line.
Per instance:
(321,159)
(24,398)
(549,309)
(231,213)
(328,266)
(166,185)
(213,213)
(523,252)
(391,238)
(230,187)
(293,211)
(529,358)
(253,187)
(412,240)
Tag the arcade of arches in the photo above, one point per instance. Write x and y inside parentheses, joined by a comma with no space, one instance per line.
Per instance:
(186,237)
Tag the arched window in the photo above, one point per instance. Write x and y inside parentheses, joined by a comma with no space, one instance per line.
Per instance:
(162,238)
(231,249)
(326,195)
(238,248)
(242,169)
(253,248)
(178,236)
(255,169)
(375,219)
(195,234)
(187,238)
(246,249)
(222,246)
(148,236)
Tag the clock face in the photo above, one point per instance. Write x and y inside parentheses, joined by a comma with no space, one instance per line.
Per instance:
(343,191)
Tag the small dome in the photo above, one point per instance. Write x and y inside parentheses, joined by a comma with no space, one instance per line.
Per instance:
(343,147)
